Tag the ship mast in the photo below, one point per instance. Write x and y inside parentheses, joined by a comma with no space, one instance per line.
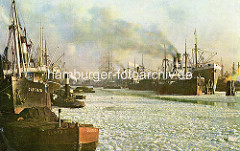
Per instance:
(142,67)
(196,53)
(16,38)
(18,43)
(233,69)
(238,68)
(222,72)
(46,62)
(42,46)
(165,62)
(41,54)
(134,66)
(185,58)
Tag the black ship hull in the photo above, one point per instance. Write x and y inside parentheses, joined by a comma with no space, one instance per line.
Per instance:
(18,94)
(193,86)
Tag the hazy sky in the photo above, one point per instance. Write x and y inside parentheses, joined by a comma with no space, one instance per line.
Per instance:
(85,28)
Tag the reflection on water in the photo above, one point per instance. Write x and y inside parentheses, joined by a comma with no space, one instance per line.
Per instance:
(135,120)
(220,104)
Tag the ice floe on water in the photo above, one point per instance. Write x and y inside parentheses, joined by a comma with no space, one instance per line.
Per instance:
(138,122)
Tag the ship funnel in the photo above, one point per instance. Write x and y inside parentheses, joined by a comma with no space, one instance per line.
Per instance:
(66,79)
(179,57)
(177,61)
(59,118)
(67,86)
(175,64)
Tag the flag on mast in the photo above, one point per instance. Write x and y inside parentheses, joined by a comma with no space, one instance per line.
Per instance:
(195,32)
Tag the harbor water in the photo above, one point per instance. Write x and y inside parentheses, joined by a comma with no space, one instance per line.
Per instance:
(138,120)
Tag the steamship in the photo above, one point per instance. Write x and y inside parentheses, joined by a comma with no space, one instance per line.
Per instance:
(26,119)
(204,76)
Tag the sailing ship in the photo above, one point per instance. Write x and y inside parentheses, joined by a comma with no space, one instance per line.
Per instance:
(107,65)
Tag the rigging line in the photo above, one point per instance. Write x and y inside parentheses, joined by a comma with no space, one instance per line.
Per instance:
(207,51)
(5,88)
(24,24)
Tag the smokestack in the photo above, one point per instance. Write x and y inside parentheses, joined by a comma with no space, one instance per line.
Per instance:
(67,86)
(59,118)
(179,57)
(175,60)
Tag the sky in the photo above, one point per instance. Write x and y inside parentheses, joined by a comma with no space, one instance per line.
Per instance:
(85,29)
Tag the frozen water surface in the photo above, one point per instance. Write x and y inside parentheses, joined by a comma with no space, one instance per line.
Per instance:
(138,120)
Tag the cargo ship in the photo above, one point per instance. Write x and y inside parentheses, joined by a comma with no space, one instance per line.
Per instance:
(204,75)
(27,122)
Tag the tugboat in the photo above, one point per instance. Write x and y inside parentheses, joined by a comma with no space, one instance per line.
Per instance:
(27,122)
(67,99)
